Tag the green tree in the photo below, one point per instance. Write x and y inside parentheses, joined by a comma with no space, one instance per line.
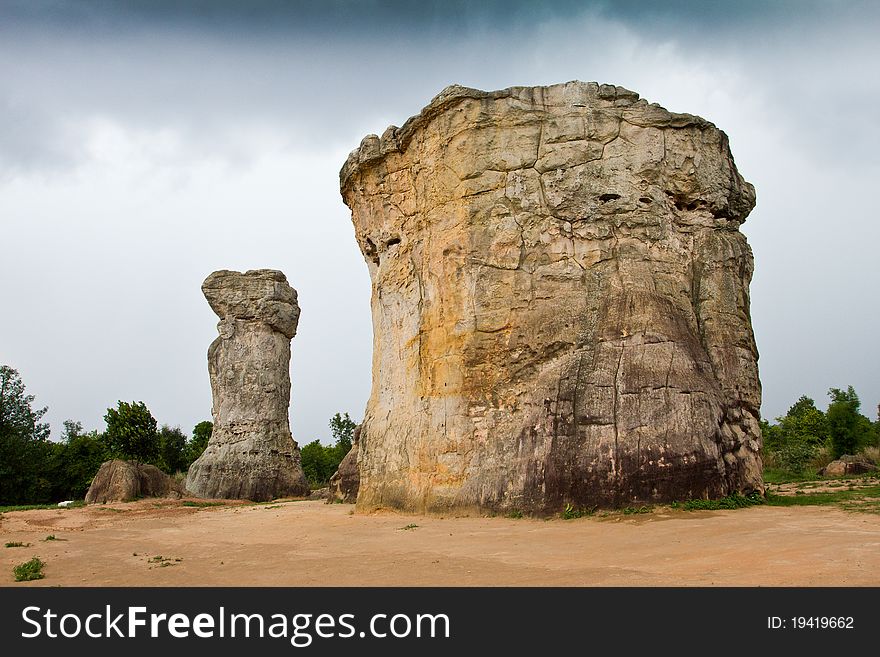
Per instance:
(317,463)
(320,462)
(24,443)
(172,450)
(342,429)
(804,424)
(772,436)
(200,436)
(76,460)
(849,430)
(131,432)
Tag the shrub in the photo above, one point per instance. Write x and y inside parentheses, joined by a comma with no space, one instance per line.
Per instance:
(29,570)
(795,457)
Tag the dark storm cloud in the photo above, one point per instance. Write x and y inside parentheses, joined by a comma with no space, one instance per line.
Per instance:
(308,67)
(390,18)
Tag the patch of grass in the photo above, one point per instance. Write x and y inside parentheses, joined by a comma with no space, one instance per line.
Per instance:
(634,510)
(27,507)
(735,501)
(163,562)
(854,499)
(36,507)
(408,527)
(29,570)
(17,544)
(516,514)
(570,512)
(779,476)
(200,504)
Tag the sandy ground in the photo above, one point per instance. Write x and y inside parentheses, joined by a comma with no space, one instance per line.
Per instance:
(309,543)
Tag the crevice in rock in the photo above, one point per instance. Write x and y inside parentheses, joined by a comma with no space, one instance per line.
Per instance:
(371,251)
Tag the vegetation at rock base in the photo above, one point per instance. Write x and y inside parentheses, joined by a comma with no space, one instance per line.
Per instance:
(570,512)
(735,501)
(29,570)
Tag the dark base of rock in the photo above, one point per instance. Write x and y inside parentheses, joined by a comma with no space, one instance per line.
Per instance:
(345,483)
(124,481)
(246,476)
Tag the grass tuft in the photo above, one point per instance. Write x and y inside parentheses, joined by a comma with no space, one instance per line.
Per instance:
(570,512)
(866,498)
(29,570)
(735,501)
(37,507)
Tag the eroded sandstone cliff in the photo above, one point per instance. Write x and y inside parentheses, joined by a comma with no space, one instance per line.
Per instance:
(251,453)
(560,304)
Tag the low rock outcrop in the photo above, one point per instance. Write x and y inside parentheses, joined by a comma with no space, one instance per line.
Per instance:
(344,484)
(560,304)
(123,481)
(251,453)
(848,465)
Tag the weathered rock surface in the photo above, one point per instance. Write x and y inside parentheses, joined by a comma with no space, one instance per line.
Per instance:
(848,465)
(319,494)
(251,454)
(344,484)
(560,304)
(123,481)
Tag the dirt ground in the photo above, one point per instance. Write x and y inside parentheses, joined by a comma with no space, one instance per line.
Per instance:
(309,543)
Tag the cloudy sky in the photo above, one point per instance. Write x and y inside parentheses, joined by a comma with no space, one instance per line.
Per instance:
(145,144)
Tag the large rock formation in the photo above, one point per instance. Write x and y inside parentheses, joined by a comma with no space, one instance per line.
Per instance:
(123,481)
(560,304)
(251,454)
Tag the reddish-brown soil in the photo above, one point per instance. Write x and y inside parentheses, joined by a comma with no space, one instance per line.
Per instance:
(309,543)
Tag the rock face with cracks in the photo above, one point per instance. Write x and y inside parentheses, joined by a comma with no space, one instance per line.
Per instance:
(251,454)
(560,304)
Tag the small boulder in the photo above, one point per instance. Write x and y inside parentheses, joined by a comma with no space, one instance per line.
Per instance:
(123,481)
(345,483)
(319,494)
(848,465)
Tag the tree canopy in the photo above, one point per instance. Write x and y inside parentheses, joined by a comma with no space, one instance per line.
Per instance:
(798,436)
(24,442)
(320,462)
(848,429)
(131,432)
